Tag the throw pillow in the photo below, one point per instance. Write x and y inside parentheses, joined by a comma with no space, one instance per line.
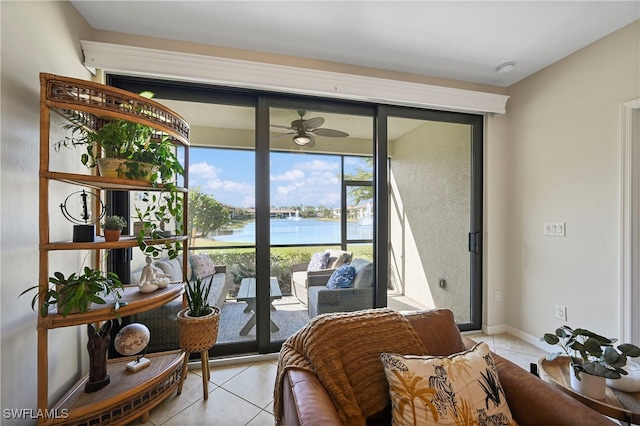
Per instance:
(342,277)
(338,257)
(318,261)
(202,265)
(462,388)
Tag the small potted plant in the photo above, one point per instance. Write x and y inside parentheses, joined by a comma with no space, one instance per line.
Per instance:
(593,355)
(112,227)
(76,293)
(198,322)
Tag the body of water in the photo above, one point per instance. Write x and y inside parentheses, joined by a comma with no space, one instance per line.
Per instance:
(302,231)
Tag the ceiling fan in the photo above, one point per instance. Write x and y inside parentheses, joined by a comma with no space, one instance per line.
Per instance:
(303,130)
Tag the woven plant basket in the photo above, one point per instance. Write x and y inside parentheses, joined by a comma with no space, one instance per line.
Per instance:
(198,334)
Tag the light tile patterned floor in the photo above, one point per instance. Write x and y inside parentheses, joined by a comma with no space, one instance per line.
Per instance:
(242,394)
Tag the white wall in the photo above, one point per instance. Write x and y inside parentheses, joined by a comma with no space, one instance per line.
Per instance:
(564,166)
(36,37)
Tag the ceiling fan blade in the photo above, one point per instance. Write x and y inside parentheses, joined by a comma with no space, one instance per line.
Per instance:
(312,143)
(330,133)
(312,123)
(281,127)
(281,135)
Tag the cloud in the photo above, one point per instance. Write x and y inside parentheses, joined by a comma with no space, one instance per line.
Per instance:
(289,175)
(317,165)
(204,169)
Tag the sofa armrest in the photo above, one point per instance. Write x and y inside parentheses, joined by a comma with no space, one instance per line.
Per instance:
(306,401)
(319,278)
(535,402)
(297,267)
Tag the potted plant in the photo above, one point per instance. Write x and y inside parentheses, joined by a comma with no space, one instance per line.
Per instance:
(593,355)
(198,322)
(110,146)
(112,227)
(76,293)
(155,161)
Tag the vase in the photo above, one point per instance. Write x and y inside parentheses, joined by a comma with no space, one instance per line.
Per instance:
(112,234)
(588,385)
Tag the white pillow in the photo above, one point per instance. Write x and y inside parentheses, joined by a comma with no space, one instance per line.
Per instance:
(167,268)
(202,266)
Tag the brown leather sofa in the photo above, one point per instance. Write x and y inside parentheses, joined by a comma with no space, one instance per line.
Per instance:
(531,401)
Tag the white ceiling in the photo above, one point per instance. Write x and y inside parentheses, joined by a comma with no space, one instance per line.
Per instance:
(460,40)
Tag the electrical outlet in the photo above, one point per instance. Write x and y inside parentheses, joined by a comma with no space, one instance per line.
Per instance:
(497,296)
(561,312)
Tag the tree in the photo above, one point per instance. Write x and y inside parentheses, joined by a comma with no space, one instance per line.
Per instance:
(205,213)
(364,173)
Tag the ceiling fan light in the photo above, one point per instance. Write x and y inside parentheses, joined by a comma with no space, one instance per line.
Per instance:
(301,139)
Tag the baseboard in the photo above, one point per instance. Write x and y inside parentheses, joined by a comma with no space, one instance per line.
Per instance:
(494,329)
(512,331)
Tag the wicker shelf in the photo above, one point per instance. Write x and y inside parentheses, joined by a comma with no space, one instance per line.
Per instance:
(128,395)
(132,302)
(99,182)
(136,394)
(125,241)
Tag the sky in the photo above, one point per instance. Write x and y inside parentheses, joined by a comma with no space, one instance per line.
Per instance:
(296,179)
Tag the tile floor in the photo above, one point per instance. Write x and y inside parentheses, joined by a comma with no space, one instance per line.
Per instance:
(242,393)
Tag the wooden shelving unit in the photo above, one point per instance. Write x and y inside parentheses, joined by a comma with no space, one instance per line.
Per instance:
(129,395)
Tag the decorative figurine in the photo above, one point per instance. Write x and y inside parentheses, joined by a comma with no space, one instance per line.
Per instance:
(151,279)
(97,346)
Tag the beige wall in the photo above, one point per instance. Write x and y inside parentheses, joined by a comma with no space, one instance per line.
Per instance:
(36,36)
(564,165)
(429,215)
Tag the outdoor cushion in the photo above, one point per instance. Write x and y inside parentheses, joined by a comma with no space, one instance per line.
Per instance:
(202,266)
(338,257)
(364,273)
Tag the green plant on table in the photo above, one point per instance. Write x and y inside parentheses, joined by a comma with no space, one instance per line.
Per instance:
(591,353)
(77,292)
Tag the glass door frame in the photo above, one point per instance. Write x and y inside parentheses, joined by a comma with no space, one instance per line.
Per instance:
(476,123)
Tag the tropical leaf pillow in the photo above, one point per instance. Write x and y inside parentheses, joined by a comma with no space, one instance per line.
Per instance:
(461,389)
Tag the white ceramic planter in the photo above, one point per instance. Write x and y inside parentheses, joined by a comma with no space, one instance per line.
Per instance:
(588,385)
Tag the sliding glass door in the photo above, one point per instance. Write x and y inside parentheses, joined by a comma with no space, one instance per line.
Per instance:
(435,216)
(287,190)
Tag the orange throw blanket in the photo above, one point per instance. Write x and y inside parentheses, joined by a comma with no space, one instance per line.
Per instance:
(343,351)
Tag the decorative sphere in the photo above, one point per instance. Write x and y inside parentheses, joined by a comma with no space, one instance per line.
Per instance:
(132,339)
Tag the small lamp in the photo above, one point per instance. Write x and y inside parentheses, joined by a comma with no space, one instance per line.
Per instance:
(301,139)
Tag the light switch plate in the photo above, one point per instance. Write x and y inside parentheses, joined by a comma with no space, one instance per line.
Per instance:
(555,229)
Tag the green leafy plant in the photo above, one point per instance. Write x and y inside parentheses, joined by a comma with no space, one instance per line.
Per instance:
(77,292)
(161,155)
(158,210)
(116,138)
(114,223)
(591,353)
(197,292)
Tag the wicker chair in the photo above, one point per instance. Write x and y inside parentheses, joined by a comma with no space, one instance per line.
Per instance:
(302,279)
(359,296)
